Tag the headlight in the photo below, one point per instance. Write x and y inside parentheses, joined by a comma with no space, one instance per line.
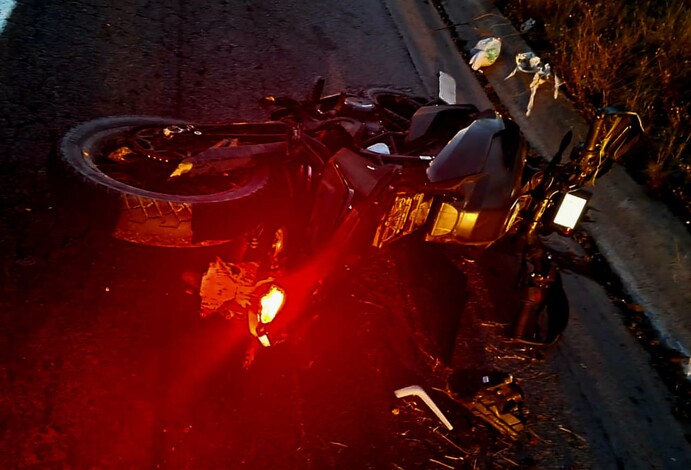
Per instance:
(570,210)
(271,303)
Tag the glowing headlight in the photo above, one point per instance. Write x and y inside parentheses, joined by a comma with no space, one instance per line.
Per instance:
(271,303)
(570,210)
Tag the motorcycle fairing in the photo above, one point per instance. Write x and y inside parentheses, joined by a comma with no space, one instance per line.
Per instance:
(408,213)
(348,179)
(478,175)
(467,152)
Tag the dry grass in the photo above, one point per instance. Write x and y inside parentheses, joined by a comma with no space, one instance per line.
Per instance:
(633,52)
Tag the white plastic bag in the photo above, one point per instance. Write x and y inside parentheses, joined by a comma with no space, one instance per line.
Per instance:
(485,53)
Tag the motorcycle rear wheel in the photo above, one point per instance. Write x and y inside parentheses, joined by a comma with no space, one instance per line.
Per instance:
(147,213)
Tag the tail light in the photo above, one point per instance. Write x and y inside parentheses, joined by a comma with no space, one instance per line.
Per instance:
(267,305)
(270,304)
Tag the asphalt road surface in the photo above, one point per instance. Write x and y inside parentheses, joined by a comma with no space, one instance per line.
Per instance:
(104,362)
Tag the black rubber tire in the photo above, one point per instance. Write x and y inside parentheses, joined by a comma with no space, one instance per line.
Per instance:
(152,218)
(544,324)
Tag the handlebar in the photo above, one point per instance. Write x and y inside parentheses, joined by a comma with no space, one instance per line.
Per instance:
(620,136)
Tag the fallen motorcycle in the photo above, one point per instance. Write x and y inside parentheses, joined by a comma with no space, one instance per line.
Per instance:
(328,178)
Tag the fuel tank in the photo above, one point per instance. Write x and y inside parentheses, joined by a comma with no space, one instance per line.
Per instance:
(477,179)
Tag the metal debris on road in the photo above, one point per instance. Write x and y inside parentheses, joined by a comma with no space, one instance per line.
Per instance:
(498,400)
(416,390)
(562,428)
(526,62)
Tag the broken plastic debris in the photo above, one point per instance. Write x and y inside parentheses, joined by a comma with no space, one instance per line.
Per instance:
(528,62)
(447,88)
(485,53)
(380,147)
(527,25)
(417,391)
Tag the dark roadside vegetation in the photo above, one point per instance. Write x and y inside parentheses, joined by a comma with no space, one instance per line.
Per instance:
(623,52)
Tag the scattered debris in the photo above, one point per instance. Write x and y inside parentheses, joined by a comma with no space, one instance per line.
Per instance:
(226,288)
(528,62)
(540,77)
(416,390)
(527,25)
(447,88)
(562,428)
(441,463)
(494,397)
(485,53)
(454,444)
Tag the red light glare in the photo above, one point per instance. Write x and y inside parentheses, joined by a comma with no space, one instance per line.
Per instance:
(271,304)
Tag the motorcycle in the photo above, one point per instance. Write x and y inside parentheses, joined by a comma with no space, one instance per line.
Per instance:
(306,193)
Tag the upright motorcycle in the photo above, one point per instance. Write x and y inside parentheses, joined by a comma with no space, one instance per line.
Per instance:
(328,178)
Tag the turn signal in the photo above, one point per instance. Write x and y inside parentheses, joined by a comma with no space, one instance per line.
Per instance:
(271,304)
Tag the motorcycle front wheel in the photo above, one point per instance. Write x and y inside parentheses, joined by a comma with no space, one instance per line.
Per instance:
(543,322)
(136,200)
